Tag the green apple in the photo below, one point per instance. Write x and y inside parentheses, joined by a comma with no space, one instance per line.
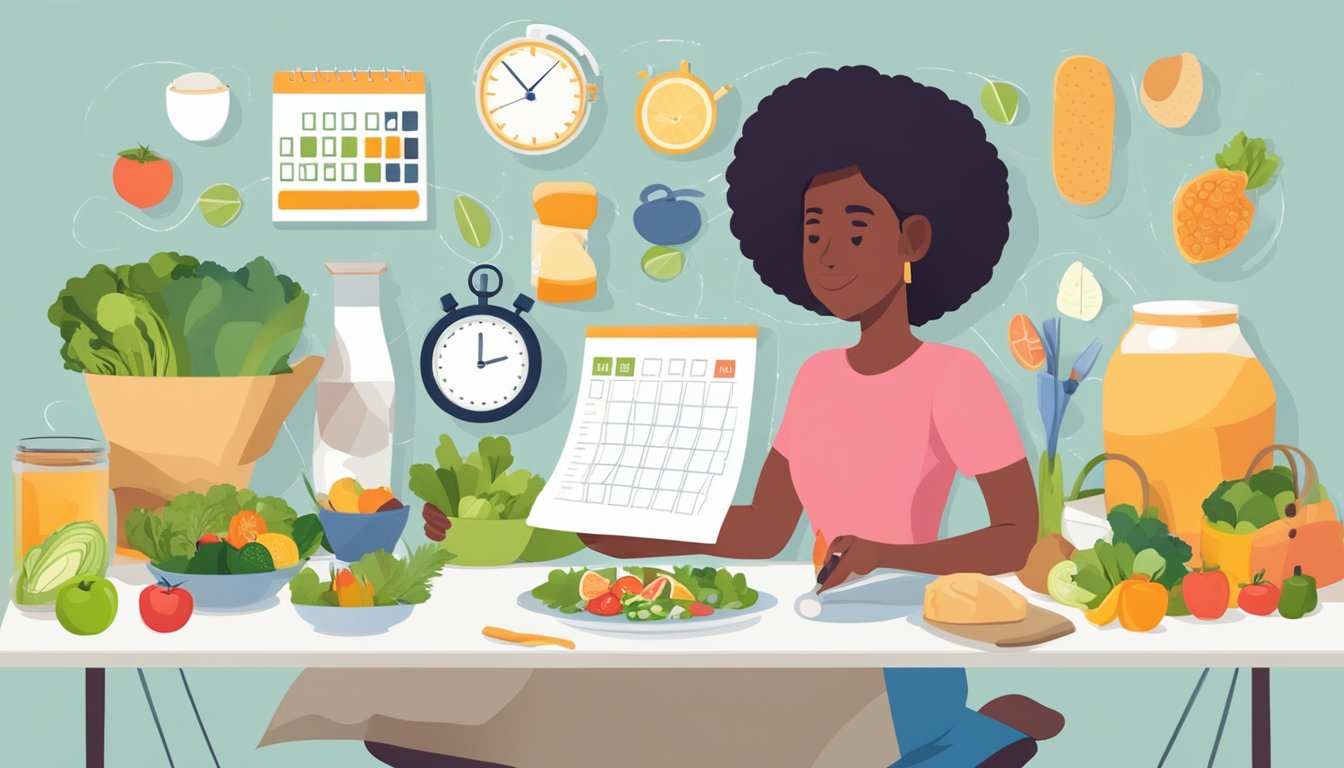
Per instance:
(87,605)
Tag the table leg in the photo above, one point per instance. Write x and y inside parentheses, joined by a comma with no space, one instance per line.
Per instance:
(95,711)
(1260,718)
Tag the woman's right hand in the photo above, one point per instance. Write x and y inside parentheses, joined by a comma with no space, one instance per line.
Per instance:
(436,523)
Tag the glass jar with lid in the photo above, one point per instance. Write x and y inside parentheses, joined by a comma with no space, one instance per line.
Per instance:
(1185,397)
(57,480)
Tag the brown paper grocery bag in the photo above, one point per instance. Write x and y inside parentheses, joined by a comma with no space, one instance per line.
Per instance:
(169,435)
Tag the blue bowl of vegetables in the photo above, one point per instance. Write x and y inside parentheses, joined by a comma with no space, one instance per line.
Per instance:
(353,535)
(229,593)
(230,548)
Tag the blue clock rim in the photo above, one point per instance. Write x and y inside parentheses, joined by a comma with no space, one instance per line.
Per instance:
(525,392)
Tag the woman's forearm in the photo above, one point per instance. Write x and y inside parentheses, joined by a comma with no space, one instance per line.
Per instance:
(992,550)
(1002,547)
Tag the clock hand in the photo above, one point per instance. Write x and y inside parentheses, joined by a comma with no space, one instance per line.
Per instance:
(493,361)
(515,76)
(480,350)
(543,76)
(501,106)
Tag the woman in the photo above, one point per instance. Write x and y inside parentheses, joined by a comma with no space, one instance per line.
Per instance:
(879,201)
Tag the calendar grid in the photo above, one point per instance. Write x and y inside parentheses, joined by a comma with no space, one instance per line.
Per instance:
(653,443)
(656,443)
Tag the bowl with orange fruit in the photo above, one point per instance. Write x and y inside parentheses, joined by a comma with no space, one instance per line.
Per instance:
(230,548)
(359,520)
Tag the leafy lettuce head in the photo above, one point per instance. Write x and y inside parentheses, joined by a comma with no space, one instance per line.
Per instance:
(176,316)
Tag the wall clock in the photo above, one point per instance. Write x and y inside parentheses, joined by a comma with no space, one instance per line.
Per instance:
(532,92)
(481,362)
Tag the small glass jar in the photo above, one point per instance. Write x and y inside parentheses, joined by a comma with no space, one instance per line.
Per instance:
(57,480)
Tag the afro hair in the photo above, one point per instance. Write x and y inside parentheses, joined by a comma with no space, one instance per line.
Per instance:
(924,152)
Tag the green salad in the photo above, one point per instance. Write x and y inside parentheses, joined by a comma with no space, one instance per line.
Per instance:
(376,579)
(1238,506)
(224,531)
(646,594)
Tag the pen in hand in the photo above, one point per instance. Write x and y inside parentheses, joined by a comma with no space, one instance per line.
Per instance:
(809,605)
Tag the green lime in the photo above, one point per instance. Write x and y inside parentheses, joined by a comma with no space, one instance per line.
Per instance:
(220,205)
(255,558)
(663,263)
(1063,590)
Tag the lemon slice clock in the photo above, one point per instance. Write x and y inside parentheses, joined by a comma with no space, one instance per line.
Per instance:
(533,92)
(676,111)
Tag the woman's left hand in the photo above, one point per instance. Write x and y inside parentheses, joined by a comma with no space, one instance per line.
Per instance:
(857,557)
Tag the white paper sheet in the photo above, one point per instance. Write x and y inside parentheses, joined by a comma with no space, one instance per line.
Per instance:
(659,433)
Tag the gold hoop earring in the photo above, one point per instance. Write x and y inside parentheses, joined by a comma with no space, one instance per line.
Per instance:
(907,272)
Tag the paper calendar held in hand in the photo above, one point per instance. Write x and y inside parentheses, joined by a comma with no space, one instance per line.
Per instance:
(659,434)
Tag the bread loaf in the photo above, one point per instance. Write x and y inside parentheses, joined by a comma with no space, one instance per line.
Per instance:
(1084,130)
(972,598)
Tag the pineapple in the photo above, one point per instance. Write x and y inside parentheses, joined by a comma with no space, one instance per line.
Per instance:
(1212,213)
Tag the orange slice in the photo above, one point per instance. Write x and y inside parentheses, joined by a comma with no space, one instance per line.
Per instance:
(245,527)
(656,588)
(592,584)
(1025,343)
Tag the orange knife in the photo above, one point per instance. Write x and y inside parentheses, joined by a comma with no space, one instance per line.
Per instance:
(509,636)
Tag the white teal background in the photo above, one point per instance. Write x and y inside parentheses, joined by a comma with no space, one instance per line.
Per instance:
(84,80)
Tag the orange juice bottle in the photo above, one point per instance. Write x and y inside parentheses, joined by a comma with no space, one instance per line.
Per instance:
(57,480)
(1185,397)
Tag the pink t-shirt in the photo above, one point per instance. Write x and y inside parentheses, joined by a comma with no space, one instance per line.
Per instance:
(874,456)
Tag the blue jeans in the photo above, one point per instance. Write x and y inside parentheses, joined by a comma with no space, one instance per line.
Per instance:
(934,728)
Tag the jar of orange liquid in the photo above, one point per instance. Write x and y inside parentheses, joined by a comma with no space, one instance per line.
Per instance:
(57,480)
(1185,397)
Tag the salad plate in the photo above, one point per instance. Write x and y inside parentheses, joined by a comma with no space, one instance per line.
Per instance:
(648,600)
(619,625)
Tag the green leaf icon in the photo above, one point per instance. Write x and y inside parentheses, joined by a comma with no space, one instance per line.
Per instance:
(472,221)
(220,205)
(1000,102)
(663,263)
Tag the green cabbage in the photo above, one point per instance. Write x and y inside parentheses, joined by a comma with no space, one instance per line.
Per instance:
(176,316)
(73,551)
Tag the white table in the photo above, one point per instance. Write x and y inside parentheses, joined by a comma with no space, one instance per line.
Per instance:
(446,632)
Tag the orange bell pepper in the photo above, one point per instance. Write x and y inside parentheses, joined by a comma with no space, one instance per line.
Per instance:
(351,591)
(1142,603)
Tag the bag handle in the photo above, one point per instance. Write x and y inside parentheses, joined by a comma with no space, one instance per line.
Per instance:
(1294,455)
(1123,459)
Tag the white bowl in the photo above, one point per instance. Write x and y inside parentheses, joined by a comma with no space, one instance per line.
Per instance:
(197,111)
(330,620)
(1085,521)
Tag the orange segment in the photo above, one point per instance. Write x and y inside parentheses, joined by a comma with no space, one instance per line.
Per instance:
(1212,215)
(245,527)
(1025,343)
(593,584)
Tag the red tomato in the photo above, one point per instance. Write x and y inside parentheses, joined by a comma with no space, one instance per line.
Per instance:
(165,607)
(627,584)
(1206,593)
(700,609)
(605,604)
(141,177)
(207,538)
(1260,597)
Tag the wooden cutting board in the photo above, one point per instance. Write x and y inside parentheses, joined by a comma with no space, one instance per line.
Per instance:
(1040,626)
